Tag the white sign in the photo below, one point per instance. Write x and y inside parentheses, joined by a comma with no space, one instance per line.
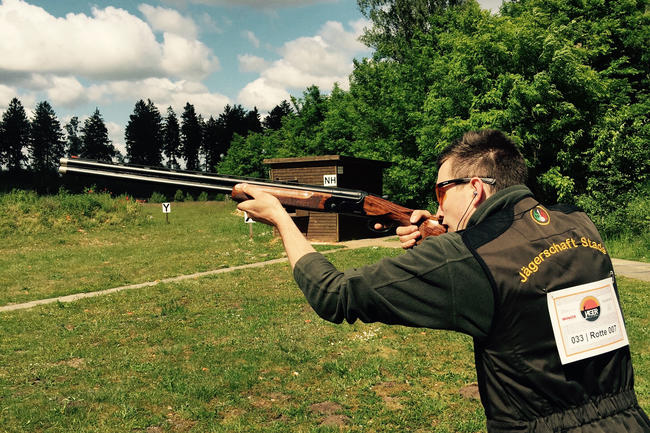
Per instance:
(587,320)
(247,219)
(329,179)
(166,207)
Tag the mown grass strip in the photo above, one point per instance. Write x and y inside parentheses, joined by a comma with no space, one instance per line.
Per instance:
(242,351)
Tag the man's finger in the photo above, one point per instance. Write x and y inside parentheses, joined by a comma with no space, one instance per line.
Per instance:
(405,230)
(408,244)
(418,215)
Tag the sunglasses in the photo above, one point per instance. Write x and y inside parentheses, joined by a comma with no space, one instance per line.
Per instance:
(441,188)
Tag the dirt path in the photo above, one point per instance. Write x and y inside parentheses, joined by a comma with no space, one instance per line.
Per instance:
(627,268)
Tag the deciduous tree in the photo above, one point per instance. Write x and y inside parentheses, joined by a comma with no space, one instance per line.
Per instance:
(73,140)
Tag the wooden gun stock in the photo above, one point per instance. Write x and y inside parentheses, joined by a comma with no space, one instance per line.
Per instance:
(374,207)
(401,215)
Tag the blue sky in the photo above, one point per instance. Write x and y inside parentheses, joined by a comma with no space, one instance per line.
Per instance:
(79,54)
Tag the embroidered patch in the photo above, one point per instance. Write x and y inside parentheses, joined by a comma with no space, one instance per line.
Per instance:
(540,215)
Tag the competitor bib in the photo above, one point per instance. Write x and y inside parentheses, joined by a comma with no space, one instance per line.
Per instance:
(587,320)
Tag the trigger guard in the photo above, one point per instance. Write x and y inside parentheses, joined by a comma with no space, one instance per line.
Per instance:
(386,229)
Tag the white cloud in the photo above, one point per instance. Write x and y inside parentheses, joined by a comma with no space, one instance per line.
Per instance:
(250,36)
(116,135)
(491,5)
(187,58)
(323,59)
(250,63)
(169,20)
(163,92)
(263,95)
(6,95)
(110,44)
(265,4)
(66,91)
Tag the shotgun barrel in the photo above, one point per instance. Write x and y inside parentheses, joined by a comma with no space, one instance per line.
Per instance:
(298,196)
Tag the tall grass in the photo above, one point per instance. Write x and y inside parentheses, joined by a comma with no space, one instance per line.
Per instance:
(25,212)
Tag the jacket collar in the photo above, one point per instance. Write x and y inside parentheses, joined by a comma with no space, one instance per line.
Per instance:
(502,199)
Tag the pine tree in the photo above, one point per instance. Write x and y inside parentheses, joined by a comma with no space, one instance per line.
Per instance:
(210,144)
(171,139)
(233,121)
(95,141)
(190,137)
(143,135)
(47,144)
(274,119)
(14,135)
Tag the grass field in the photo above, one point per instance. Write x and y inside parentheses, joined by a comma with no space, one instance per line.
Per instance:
(198,237)
(240,351)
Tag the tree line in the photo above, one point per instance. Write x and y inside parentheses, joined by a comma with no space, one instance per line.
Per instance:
(37,144)
(568,81)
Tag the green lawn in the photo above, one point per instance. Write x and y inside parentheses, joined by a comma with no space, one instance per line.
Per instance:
(239,351)
(199,236)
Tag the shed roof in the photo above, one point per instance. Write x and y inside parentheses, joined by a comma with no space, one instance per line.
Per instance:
(324,158)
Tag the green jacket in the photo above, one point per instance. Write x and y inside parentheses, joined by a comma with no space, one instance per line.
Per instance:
(438,284)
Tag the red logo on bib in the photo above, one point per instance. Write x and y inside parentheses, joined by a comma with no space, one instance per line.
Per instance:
(590,308)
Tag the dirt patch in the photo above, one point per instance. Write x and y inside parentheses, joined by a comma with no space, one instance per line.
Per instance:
(73,362)
(267,401)
(232,414)
(470,392)
(387,352)
(326,408)
(178,424)
(388,390)
(335,421)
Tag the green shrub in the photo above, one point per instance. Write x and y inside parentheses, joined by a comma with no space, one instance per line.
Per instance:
(203,196)
(178,196)
(157,197)
(629,215)
(188,197)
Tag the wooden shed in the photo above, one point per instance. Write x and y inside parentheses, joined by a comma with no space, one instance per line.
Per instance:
(330,170)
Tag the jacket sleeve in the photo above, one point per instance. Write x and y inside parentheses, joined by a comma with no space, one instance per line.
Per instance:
(438,284)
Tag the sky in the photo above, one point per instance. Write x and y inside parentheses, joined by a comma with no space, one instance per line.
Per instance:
(80,55)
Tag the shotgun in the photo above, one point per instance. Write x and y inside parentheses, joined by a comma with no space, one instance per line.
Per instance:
(291,195)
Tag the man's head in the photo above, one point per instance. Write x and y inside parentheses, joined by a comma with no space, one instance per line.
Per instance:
(472,169)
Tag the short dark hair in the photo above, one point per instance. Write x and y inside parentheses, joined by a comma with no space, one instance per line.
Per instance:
(486,153)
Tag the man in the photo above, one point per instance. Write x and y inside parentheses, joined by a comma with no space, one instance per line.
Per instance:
(534,287)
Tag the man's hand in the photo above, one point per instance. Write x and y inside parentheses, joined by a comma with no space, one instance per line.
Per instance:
(408,235)
(266,208)
(263,207)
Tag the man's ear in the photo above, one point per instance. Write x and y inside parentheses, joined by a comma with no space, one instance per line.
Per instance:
(480,192)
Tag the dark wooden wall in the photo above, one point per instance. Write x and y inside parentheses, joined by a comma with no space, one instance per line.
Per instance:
(352,173)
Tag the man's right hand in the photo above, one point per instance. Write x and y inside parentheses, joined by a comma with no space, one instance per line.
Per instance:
(409,235)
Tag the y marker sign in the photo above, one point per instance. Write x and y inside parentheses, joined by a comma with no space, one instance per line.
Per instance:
(166,208)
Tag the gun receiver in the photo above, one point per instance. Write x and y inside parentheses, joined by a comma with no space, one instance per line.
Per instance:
(298,196)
